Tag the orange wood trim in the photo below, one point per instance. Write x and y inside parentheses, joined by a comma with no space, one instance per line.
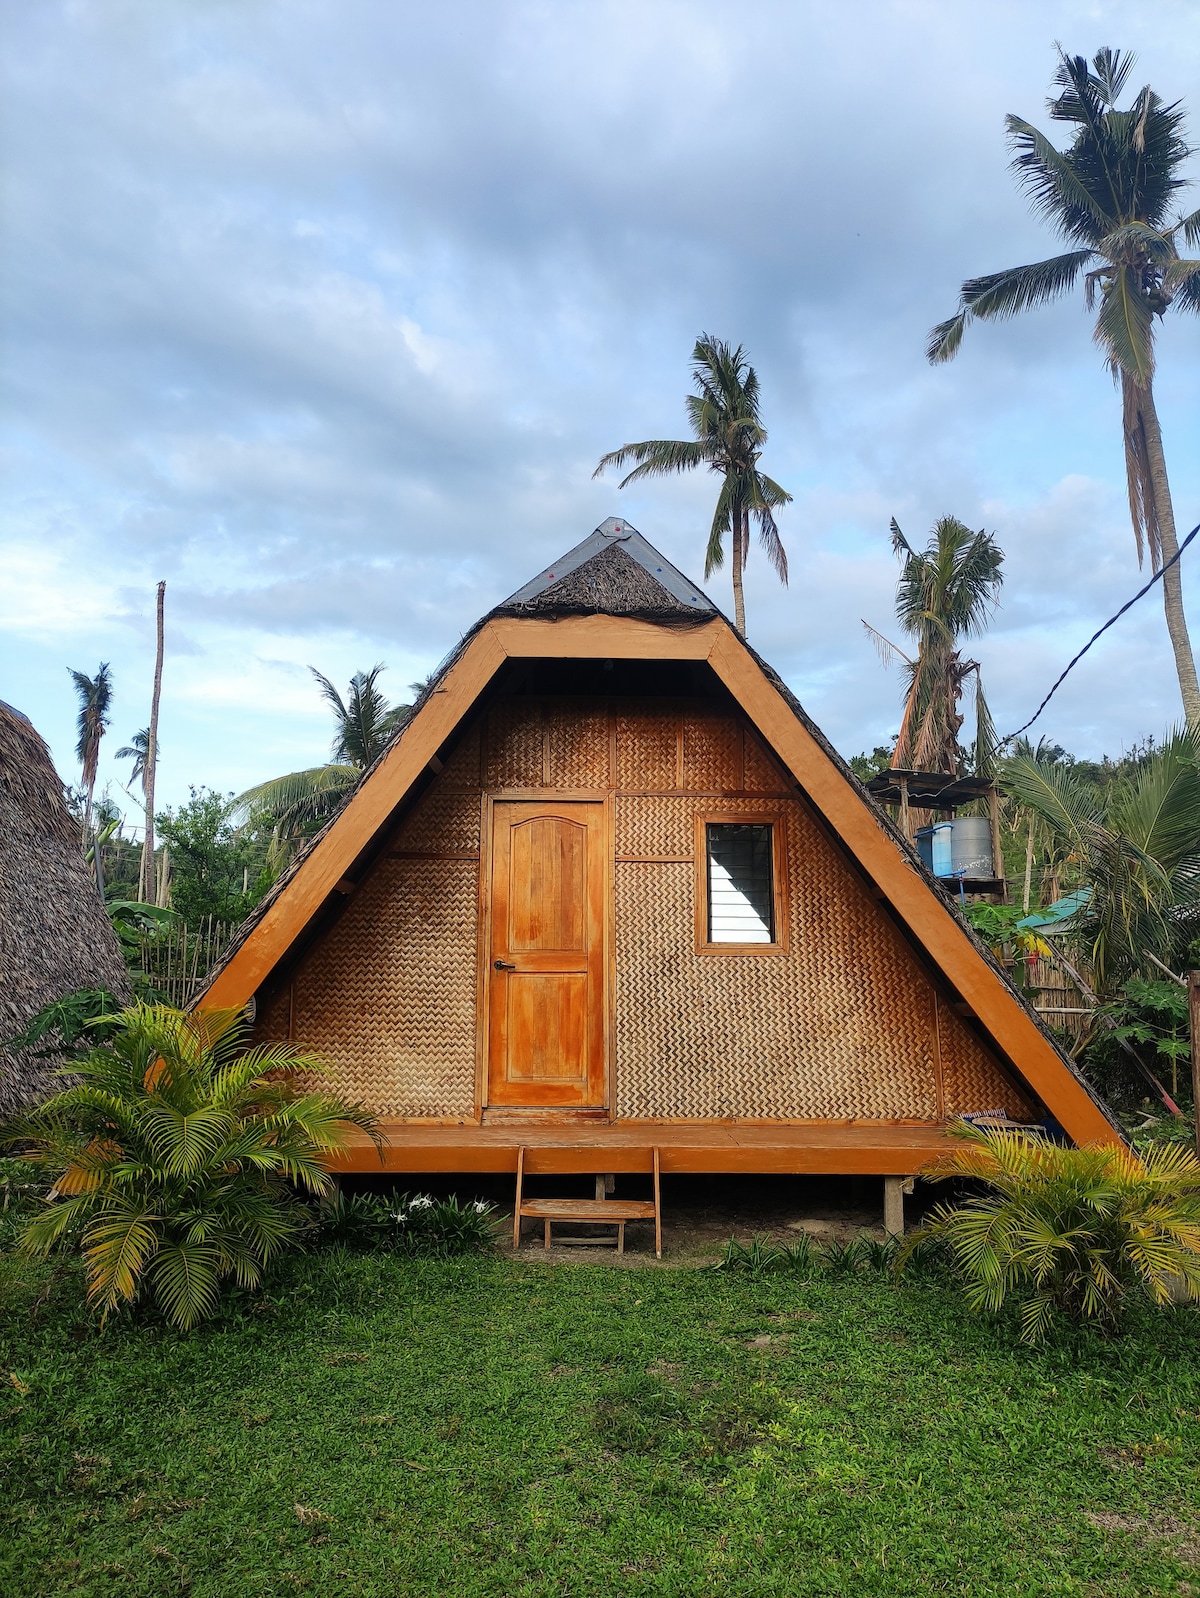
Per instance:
(657,1207)
(517,1204)
(483,935)
(591,637)
(779,861)
(930,922)
(361,820)
(696,1149)
(563,795)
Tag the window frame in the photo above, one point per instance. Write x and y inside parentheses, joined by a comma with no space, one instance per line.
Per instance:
(777,821)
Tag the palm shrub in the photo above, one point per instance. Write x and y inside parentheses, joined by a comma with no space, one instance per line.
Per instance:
(1076,1231)
(176,1153)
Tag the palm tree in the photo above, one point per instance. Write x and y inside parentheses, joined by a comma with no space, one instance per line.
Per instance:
(1135,844)
(945,594)
(1109,194)
(304,800)
(724,413)
(176,1152)
(137,750)
(95,696)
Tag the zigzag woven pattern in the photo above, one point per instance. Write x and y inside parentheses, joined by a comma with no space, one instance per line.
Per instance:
(445,822)
(841,1026)
(514,744)
(712,753)
(762,775)
(647,749)
(577,745)
(388,998)
(971,1079)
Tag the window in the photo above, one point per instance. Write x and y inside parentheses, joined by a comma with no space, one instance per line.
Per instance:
(740,890)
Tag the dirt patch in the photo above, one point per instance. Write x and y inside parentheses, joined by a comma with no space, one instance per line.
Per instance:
(1180,1537)
(701,1214)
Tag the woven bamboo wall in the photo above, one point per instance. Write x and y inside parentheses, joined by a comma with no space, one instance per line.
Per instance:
(842,1025)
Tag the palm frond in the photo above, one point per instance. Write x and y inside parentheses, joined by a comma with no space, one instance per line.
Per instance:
(656,457)
(1055,186)
(1020,288)
(1182,279)
(887,651)
(1124,327)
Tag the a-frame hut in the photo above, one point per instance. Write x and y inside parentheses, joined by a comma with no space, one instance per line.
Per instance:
(610,891)
(54,934)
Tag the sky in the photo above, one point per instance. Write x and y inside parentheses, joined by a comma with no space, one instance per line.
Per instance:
(324,310)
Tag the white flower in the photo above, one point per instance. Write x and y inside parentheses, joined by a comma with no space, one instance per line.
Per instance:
(399,1216)
(481,1206)
(421,1202)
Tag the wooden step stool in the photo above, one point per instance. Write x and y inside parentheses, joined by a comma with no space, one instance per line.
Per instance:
(597,1211)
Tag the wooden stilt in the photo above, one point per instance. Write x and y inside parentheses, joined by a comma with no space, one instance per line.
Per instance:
(893,1206)
(657,1210)
(517,1205)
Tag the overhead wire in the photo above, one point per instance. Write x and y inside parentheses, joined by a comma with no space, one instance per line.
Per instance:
(1100,631)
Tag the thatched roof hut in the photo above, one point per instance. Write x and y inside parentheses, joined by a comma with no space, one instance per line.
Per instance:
(54,934)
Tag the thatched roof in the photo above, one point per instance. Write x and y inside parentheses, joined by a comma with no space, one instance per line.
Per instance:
(614,572)
(54,933)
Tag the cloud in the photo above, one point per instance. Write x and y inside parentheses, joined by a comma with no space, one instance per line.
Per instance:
(325,313)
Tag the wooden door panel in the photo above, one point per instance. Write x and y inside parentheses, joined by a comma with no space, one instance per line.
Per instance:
(546,987)
(547,886)
(547,1028)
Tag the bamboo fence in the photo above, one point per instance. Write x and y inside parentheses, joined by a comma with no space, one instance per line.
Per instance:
(176,961)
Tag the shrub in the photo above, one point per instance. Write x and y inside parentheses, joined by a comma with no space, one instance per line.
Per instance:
(416,1226)
(175,1158)
(1067,1230)
(763,1257)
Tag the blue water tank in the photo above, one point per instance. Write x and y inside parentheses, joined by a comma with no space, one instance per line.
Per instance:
(961,848)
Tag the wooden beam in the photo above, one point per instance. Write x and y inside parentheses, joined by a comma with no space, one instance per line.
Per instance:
(602,638)
(932,925)
(627,1147)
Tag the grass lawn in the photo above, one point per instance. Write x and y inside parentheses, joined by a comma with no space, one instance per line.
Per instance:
(380,1427)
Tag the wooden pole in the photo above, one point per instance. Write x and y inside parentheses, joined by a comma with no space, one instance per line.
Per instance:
(1193,987)
(893,1206)
(905,823)
(148,888)
(997,850)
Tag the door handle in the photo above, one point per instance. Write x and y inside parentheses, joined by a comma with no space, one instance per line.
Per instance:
(502,965)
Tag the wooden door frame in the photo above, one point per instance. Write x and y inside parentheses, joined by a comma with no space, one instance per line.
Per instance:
(490,798)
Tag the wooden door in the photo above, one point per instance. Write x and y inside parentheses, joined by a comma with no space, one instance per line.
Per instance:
(546,989)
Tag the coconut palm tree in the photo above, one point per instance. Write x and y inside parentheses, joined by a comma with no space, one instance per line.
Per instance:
(1109,194)
(724,413)
(137,750)
(95,696)
(304,800)
(945,594)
